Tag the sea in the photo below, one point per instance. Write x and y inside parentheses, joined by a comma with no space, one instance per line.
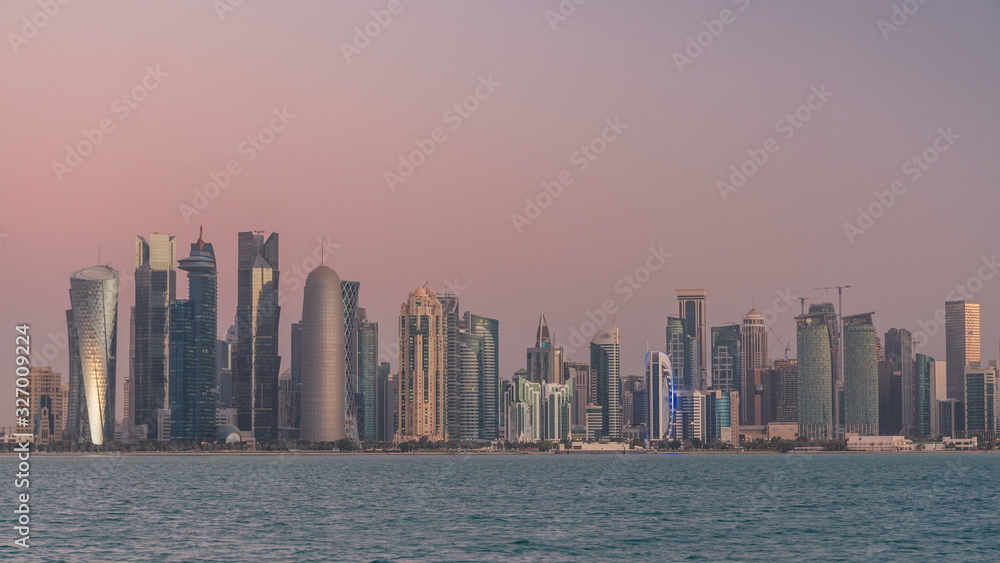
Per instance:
(510,508)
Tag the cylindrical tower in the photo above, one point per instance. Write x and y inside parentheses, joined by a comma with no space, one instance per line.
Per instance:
(323,358)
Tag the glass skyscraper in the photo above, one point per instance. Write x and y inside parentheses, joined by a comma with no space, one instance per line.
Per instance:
(815,339)
(604,365)
(350,291)
(489,386)
(660,397)
(861,403)
(981,404)
(924,404)
(899,351)
(544,359)
(962,332)
(257,315)
(155,292)
(193,348)
(726,359)
(93,342)
(365,401)
(677,350)
(691,307)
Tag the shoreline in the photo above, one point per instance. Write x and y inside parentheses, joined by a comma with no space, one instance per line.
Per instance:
(631,452)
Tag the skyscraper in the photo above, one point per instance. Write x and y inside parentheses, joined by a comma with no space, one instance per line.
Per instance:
(861,408)
(659,396)
(962,333)
(584,391)
(350,291)
(899,351)
(365,398)
(47,404)
(323,358)
(981,396)
(193,349)
(726,358)
(386,403)
(677,349)
(93,344)
(423,369)
(815,339)
(923,374)
(522,410)
(544,359)
(257,315)
(691,307)
(155,291)
(604,365)
(489,386)
(453,321)
(753,356)
(467,391)
(556,402)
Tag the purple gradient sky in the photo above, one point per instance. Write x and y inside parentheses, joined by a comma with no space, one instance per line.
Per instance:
(656,185)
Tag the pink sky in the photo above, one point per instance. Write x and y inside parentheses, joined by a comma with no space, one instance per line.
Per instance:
(323,175)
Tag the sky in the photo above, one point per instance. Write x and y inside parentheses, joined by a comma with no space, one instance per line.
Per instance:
(530,156)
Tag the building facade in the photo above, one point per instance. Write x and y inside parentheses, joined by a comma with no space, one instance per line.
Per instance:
(962,344)
(423,370)
(323,407)
(860,375)
(604,365)
(814,336)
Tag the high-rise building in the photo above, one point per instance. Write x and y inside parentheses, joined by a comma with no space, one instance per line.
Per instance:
(193,349)
(962,350)
(923,374)
(660,396)
(677,349)
(155,291)
(423,369)
(225,379)
(556,402)
(93,343)
(47,397)
(691,307)
(721,412)
(890,398)
(860,375)
(295,377)
(815,338)
(981,397)
(350,291)
(466,393)
(899,350)
(836,376)
(787,394)
(951,418)
(604,365)
(544,359)
(365,399)
(451,309)
(489,385)
(753,356)
(522,409)
(386,403)
(323,407)
(939,392)
(257,315)
(288,404)
(726,360)
(584,390)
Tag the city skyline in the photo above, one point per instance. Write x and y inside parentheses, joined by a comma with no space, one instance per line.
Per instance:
(655,185)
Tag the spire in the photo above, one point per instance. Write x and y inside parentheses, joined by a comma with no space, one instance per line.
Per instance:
(201,241)
(542,336)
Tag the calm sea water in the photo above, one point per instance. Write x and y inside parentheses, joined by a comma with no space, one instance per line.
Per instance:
(825,507)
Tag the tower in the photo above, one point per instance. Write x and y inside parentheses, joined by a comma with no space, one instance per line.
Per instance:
(861,405)
(323,358)
(423,369)
(691,308)
(604,365)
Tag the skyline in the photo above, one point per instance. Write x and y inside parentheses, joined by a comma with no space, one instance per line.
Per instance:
(321,182)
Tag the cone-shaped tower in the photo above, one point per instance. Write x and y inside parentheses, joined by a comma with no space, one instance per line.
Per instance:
(323,358)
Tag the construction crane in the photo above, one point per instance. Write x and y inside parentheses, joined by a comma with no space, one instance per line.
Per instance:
(840,295)
(778,336)
(802,302)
